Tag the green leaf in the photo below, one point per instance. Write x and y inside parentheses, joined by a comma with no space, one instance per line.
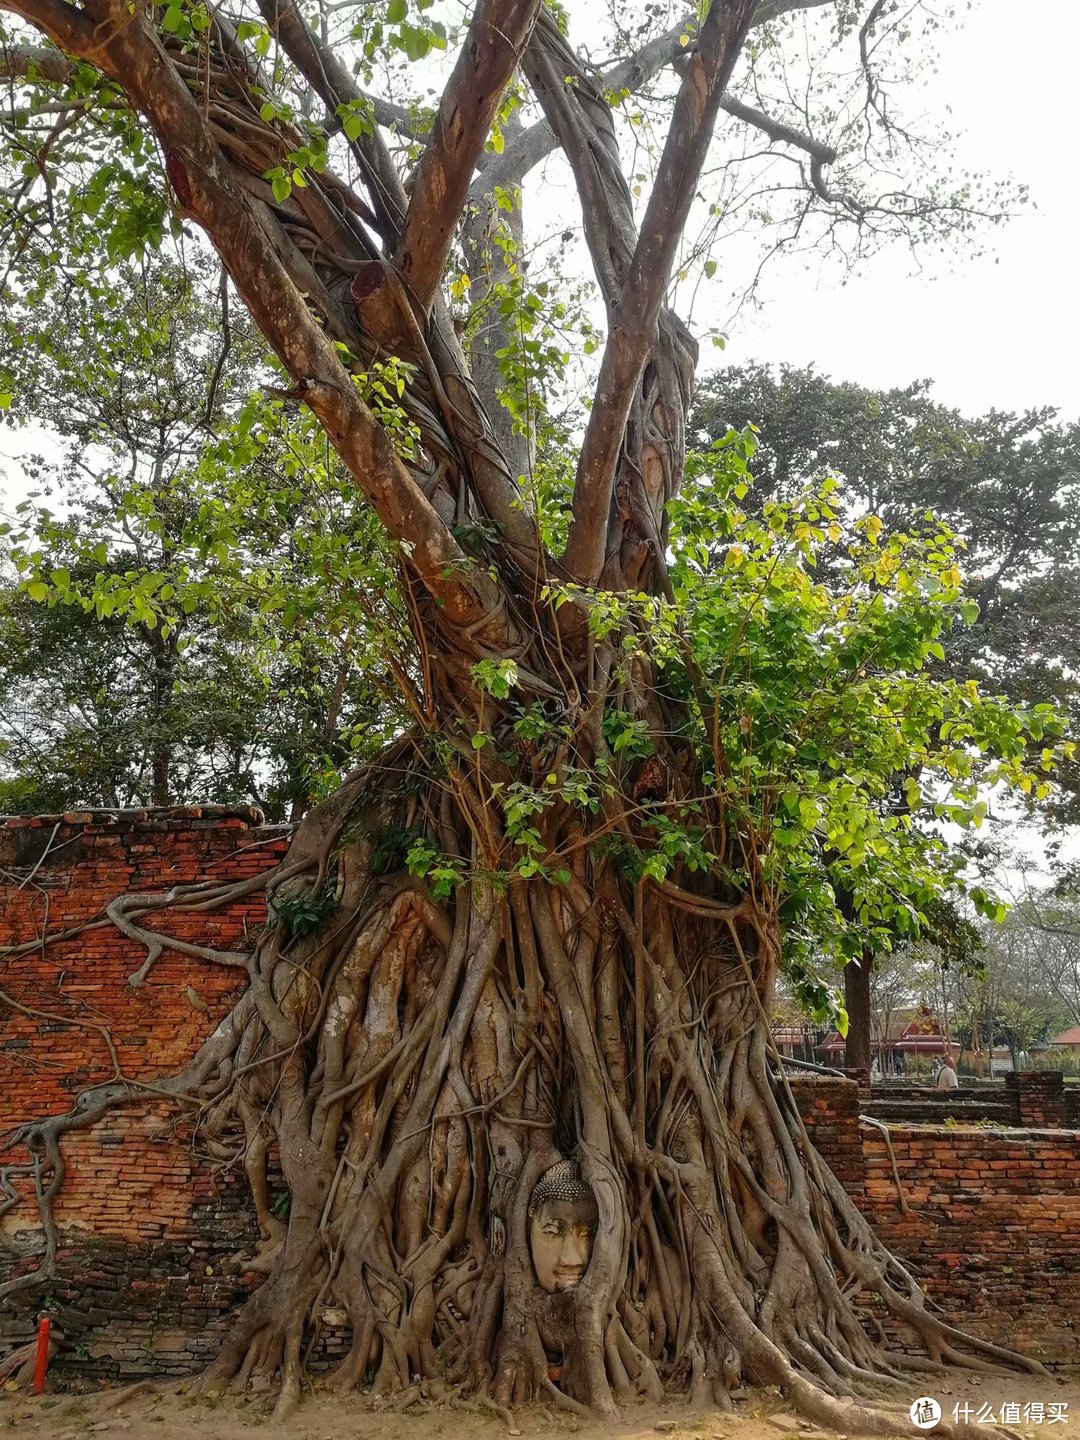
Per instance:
(396,11)
(37,590)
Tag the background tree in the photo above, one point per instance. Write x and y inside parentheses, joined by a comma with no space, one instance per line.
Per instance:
(1007,484)
(176,487)
(1009,998)
(548,919)
(897,981)
(1053,922)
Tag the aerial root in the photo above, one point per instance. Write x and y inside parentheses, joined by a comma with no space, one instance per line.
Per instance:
(413,1068)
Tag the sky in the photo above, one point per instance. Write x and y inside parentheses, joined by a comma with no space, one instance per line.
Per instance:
(1000,331)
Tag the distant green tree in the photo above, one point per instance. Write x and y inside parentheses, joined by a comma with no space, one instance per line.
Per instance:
(153,644)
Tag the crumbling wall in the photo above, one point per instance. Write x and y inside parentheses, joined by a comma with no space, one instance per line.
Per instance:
(150,1228)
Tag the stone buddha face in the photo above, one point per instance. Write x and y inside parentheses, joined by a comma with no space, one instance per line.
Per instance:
(562,1226)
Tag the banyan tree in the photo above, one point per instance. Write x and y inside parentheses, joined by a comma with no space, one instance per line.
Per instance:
(506,1031)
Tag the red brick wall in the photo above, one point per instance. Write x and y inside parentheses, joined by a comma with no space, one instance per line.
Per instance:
(992,1228)
(147,1269)
(830,1110)
(1039,1096)
(56,874)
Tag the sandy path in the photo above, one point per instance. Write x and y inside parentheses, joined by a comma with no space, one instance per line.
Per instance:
(322,1417)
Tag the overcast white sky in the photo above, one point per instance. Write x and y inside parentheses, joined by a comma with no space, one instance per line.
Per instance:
(1001,331)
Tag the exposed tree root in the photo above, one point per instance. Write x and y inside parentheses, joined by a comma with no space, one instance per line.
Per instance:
(416,1066)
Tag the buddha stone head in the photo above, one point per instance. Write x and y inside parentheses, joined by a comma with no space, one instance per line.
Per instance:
(562,1226)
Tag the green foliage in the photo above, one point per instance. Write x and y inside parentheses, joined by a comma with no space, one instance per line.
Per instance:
(841,743)
(212,611)
(1007,485)
(444,873)
(303,912)
(495,677)
(626,736)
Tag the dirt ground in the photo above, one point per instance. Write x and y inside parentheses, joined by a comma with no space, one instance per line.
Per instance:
(322,1417)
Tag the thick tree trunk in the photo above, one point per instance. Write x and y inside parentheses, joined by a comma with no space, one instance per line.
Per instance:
(859,1039)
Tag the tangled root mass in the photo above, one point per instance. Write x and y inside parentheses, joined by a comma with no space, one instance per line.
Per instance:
(414,1065)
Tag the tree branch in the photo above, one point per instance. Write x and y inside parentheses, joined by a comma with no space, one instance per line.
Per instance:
(65,26)
(466,428)
(493,47)
(633,324)
(776,130)
(19,62)
(128,48)
(581,119)
(773,9)
(540,140)
(631,74)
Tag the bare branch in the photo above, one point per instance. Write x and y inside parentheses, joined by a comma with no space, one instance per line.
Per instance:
(493,47)
(865,32)
(539,141)
(773,9)
(578,114)
(633,324)
(645,64)
(631,74)
(776,130)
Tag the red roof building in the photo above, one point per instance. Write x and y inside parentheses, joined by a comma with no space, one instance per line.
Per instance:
(920,1035)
